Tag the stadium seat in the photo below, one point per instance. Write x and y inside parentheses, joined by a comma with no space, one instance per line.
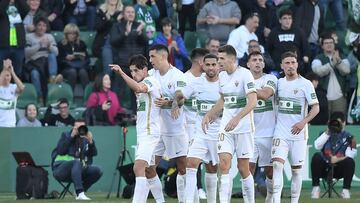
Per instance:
(88,37)
(66,187)
(203,37)
(58,35)
(190,40)
(57,91)
(87,92)
(29,95)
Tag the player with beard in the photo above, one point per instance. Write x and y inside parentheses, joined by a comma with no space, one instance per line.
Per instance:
(294,94)
(205,89)
(264,118)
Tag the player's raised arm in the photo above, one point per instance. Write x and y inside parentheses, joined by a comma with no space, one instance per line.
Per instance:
(135,86)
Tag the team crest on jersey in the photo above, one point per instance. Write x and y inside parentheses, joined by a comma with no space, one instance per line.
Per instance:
(236,83)
(296,91)
(169,85)
(219,147)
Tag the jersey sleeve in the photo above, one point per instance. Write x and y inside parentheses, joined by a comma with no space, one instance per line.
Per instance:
(221,82)
(180,81)
(189,89)
(249,82)
(310,93)
(271,82)
(149,82)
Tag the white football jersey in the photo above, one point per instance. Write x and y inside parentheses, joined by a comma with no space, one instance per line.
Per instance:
(206,94)
(264,112)
(293,99)
(190,108)
(234,88)
(171,82)
(148,114)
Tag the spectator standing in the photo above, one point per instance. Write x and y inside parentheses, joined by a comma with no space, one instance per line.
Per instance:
(73,57)
(40,57)
(354,58)
(337,10)
(108,14)
(338,150)
(80,12)
(53,9)
(240,37)
(187,12)
(8,94)
(34,11)
(30,119)
(287,37)
(61,119)
(147,15)
(12,32)
(104,101)
(177,51)
(332,68)
(309,18)
(219,18)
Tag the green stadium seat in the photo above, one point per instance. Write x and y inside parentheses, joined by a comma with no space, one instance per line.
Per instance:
(203,37)
(88,37)
(88,89)
(29,95)
(58,91)
(58,35)
(190,39)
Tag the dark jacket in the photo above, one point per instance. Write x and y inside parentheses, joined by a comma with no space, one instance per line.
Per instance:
(103,27)
(69,8)
(304,17)
(280,41)
(5,24)
(52,6)
(70,146)
(126,46)
(267,18)
(269,63)
(56,120)
(67,49)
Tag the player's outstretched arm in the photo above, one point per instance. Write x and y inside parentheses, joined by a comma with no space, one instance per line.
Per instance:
(135,86)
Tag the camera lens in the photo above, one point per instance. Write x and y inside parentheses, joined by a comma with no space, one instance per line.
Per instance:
(83,130)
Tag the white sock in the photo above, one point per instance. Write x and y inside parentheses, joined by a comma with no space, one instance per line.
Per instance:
(211,186)
(140,186)
(248,189)
(269,189)
(224,188)
(190,185)
(156,189)
(277,181)
(296,183)
(180,186)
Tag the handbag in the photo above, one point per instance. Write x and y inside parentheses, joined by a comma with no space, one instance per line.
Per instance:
(96,116)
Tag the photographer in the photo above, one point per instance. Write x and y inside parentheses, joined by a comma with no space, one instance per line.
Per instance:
(72,159)
(338,150)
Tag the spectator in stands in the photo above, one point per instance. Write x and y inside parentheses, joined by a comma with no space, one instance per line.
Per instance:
(240,37)
(53,9)
(177,51)
(322,117)
(309,18)
(147,15)
(80,12)
(337,11)
(219,18)
(286,37)
(40,57)
(30,119)
(34,12)
(267,19)
(255,46)
(104,101)
(127,39)
(72,160)
(187,11)
(213,45)
(12,32)
(354,59)
(108,13)
(8,94)
(61,119)
(338,150)
(332,67)
(73,57)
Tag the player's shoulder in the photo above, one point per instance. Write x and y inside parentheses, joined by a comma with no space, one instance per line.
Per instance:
(270,77)
(304,80)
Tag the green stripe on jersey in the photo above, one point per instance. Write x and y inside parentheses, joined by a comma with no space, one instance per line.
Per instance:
(263,106)
(205,106)
(233,101)
(289,106)
(191,104)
